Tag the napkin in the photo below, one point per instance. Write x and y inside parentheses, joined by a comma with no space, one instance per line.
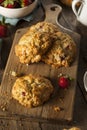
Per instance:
(14,21)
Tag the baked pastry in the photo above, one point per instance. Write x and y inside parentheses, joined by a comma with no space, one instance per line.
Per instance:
(44,27)
(62,52)
(32,91)
(32,46)
(45,42)
(35,42)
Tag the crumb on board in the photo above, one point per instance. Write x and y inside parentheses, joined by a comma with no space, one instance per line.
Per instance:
(57,109)
(27,64)
(61,100)
(3,107)
(13,73)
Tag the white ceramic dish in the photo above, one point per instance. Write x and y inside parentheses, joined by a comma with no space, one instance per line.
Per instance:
(85,81)
(18,12)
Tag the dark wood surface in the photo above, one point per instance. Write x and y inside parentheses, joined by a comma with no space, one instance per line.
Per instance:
(67,20)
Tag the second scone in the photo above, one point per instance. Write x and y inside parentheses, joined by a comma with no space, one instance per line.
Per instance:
(63,51)
(31,90)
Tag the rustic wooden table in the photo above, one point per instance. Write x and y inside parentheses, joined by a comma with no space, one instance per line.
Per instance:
(68,20)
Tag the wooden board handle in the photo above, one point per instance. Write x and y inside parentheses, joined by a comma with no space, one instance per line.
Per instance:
(52,12)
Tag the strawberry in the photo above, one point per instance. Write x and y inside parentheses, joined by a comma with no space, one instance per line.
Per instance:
(3,31)
(3,28)
(11,3)
(26,2)
(1,1)
(63,82)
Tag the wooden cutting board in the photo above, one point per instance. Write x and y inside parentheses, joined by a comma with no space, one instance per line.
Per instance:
(64,99)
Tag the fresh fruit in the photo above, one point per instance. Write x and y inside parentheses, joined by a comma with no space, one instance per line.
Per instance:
(3,31)
(3,28)
(1,1)
(16,3)
(25,2)
(11,3)
(63,82)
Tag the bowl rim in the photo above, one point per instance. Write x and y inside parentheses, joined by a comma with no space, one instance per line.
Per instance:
(35,1)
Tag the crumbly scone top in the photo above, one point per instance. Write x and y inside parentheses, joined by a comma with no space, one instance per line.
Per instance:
(32,90)
(62,52)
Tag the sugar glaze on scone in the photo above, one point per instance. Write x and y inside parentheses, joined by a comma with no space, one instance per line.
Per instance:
(31,91)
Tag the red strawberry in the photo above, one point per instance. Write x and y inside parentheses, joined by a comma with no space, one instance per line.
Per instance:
(11,3)
(26,2)
(3,31)
(63,82)
(15,5)
(3,28)
(1,1)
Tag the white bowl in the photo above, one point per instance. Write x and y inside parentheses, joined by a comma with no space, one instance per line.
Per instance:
(85,81)
(18,12)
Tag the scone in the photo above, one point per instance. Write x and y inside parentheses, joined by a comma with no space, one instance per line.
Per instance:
(35,42)
(32,46)
(62,52)
(32,91)
(44,27)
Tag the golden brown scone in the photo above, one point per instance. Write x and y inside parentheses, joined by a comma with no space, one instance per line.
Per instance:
(44,27)
(32,46)
(62,52)
(35,42)
(73,128)
(32,91)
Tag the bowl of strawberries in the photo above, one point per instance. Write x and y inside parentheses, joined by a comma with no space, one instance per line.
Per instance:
(17,8)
